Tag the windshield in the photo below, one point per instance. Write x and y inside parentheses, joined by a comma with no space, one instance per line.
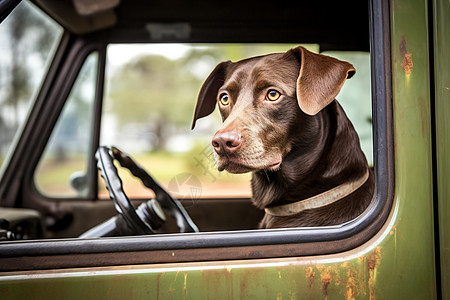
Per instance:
(28,39)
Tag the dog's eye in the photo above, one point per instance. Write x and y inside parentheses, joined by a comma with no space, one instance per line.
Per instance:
(224,99)
(273,95)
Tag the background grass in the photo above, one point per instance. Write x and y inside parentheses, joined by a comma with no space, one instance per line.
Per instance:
(52,177)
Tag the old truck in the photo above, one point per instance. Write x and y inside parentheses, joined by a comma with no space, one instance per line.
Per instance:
(68,87)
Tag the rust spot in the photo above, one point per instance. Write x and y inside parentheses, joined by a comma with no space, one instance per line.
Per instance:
(407,64)
(336,276)
(373,261)
(402,46)
(327,275)
(310,275)
(351,288)
(326,280)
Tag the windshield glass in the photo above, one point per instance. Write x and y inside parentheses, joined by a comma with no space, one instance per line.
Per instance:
(28,39)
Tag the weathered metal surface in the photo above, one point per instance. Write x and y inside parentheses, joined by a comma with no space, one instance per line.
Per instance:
(410,255)
(441,21)
(270,279)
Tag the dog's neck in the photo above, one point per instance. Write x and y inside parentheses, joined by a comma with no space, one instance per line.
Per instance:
(327,161)
(323,199)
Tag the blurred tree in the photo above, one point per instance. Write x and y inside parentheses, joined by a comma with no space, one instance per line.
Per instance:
(153,90)
(26,38)
(27,34)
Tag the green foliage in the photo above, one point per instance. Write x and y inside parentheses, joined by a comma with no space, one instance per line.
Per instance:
(156,89)
(153,89)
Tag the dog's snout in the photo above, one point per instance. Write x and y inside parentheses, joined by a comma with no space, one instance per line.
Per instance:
(226,142)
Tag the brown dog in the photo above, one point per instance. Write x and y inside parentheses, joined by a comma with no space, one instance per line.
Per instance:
(281,121)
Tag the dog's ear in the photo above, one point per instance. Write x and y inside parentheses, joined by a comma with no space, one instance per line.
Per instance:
(320,79)
(207,97)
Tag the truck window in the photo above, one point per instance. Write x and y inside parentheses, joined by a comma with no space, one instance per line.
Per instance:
(62,169)
(148,106)
(28,41)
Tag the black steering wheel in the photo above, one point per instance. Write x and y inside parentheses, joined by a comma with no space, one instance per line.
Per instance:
(149,216)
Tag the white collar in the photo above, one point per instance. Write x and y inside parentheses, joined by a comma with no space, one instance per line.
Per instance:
(320,200)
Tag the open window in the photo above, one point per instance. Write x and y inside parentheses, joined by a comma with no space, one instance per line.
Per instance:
(134,85)
(62,171)
(149,102)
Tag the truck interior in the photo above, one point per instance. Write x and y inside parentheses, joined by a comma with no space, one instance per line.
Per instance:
(91,36)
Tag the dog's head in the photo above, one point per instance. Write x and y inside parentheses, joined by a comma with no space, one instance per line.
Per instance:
(262,101)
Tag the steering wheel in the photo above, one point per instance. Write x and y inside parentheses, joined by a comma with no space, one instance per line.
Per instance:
(149,216)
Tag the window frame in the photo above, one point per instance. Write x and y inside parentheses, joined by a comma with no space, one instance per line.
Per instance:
(244,244)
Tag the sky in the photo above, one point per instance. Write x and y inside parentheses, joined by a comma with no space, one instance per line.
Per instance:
(121,54)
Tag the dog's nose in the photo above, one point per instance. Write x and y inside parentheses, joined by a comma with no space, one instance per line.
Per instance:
(226,142)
